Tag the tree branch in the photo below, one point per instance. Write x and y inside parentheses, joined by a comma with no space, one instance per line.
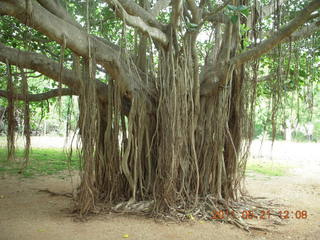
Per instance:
(279,36)
(177,8)
(40,96)
(55,8)
(76,39)
(46,66)
(195,10)
(305,32)
(39,63)
(137,21)
(135,10)
(215,15)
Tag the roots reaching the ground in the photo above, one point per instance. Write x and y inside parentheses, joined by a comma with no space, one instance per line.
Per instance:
(172,154)
(164,149)
(11,118)
(246,213)
(26,119)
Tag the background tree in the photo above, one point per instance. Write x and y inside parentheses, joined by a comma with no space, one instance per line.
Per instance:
(167,127)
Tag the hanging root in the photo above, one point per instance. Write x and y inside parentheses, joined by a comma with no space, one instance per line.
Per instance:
(173,154)
(11,117)
(89,132)
(26,119)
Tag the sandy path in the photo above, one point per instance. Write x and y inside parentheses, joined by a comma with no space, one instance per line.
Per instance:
(26,214)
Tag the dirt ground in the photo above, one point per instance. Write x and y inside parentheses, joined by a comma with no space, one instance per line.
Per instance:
(26,213)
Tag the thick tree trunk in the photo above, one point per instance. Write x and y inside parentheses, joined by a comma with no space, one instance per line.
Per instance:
(173,150)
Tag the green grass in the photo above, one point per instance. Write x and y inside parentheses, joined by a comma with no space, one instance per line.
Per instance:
(269,169)
(42,162)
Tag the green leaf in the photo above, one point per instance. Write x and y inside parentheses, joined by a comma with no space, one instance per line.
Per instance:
(234,19)
(244,29)
(245,12)
(192,25)
(232,7)
(242,8)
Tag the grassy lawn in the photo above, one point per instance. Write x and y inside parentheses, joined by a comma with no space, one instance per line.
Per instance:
(42,162)
(269,169)
(47,160)
(53,160)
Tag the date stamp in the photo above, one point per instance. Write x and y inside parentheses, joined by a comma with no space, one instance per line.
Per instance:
(260,215)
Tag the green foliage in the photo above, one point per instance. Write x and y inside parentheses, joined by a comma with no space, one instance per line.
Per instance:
(235,11)
(300,62)
(42,162)
(293,89)
(48,117)
(316,133)
(299,136)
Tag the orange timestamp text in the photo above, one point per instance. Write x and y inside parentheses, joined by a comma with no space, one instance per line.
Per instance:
(261,215)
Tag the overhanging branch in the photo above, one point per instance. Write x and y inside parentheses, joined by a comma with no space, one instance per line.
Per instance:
(76,39)
(135,10)
(177,7)
(39,63)
(279,36)
(46,66)
(55,8)
(215,15)
(305,32)
(41,96)
(138,22)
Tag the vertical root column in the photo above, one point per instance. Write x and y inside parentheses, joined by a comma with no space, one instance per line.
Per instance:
(12,124)
(89,134)
(177,175)
(222,126)
(26,118)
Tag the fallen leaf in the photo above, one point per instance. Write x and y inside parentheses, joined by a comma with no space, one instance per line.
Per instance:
(125,236)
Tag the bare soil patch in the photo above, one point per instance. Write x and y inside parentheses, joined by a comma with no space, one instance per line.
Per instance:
(26,213)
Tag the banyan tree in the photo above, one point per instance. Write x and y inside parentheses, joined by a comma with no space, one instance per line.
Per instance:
(168,128)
